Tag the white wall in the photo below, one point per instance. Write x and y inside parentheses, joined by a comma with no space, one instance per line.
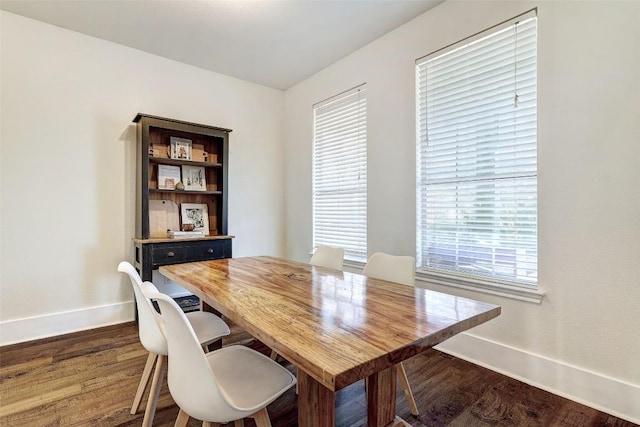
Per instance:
(585,331)
(67,179)
(68,169)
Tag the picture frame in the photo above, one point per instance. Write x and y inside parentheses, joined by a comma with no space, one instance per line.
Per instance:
(180,148)
(168,177)
(196,214)
(194,178)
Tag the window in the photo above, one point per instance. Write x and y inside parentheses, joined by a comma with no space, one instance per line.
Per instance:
(476,157)
(340,173)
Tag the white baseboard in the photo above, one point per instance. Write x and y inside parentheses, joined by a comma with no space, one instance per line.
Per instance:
(33,328)
(597,391)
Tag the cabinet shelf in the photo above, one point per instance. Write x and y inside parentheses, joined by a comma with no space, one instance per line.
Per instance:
(176,162)
(155,190)
(192,239)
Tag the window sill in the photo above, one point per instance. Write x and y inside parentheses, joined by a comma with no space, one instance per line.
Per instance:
(520,293)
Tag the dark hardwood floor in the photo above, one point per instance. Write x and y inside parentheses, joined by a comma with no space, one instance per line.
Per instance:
(89,379)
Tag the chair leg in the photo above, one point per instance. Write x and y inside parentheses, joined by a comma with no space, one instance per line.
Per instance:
(238,423)
(402,376)
(154,393)
(182,420)
(262,418)
(146,374)
(210,424)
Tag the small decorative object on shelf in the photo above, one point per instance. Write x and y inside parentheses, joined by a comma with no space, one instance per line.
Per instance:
(168,177)
(180,148)
(159,150)
(179,186)
(196,214)
(193,178)
(198,154)
(184,234)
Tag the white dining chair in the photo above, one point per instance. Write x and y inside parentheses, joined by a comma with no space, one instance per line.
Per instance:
(221,386)
(328,256)
(398,269)
(207,326)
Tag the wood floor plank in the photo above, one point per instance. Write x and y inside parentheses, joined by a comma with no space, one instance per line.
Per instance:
(17,369)
(40,399)
(90,379)
(134,354)
(66,372)
(49,347)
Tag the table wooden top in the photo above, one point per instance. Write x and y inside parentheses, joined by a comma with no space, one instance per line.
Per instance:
(338,327)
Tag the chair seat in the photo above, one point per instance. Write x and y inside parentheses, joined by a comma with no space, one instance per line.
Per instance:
(207,326)
(247,379)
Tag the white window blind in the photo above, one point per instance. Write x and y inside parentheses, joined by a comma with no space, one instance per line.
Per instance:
(476,155)
(340,173)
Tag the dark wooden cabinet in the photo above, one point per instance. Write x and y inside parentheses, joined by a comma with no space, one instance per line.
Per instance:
(152,254)
(201,168)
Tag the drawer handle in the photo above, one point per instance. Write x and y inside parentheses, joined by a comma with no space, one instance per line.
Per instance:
(170,254)
(210,251)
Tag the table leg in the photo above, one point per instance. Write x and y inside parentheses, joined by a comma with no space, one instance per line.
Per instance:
(316,403)
(381,398)
(216,345)
(206,307)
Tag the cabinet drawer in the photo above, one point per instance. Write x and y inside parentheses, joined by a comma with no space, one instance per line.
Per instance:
(169,254)
(212,249)
(175,253)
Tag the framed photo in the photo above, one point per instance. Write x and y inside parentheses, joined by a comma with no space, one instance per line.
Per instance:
(193,178)
(196,214)
(180,148)
(168,177)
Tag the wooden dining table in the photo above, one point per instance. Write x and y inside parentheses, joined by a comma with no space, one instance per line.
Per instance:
(336,327)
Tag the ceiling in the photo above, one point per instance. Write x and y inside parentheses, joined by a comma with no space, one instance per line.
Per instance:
(276,43)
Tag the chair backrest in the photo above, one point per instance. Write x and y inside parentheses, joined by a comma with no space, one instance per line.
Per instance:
(151,335)
(191,381)
(398,269)
(327,256)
